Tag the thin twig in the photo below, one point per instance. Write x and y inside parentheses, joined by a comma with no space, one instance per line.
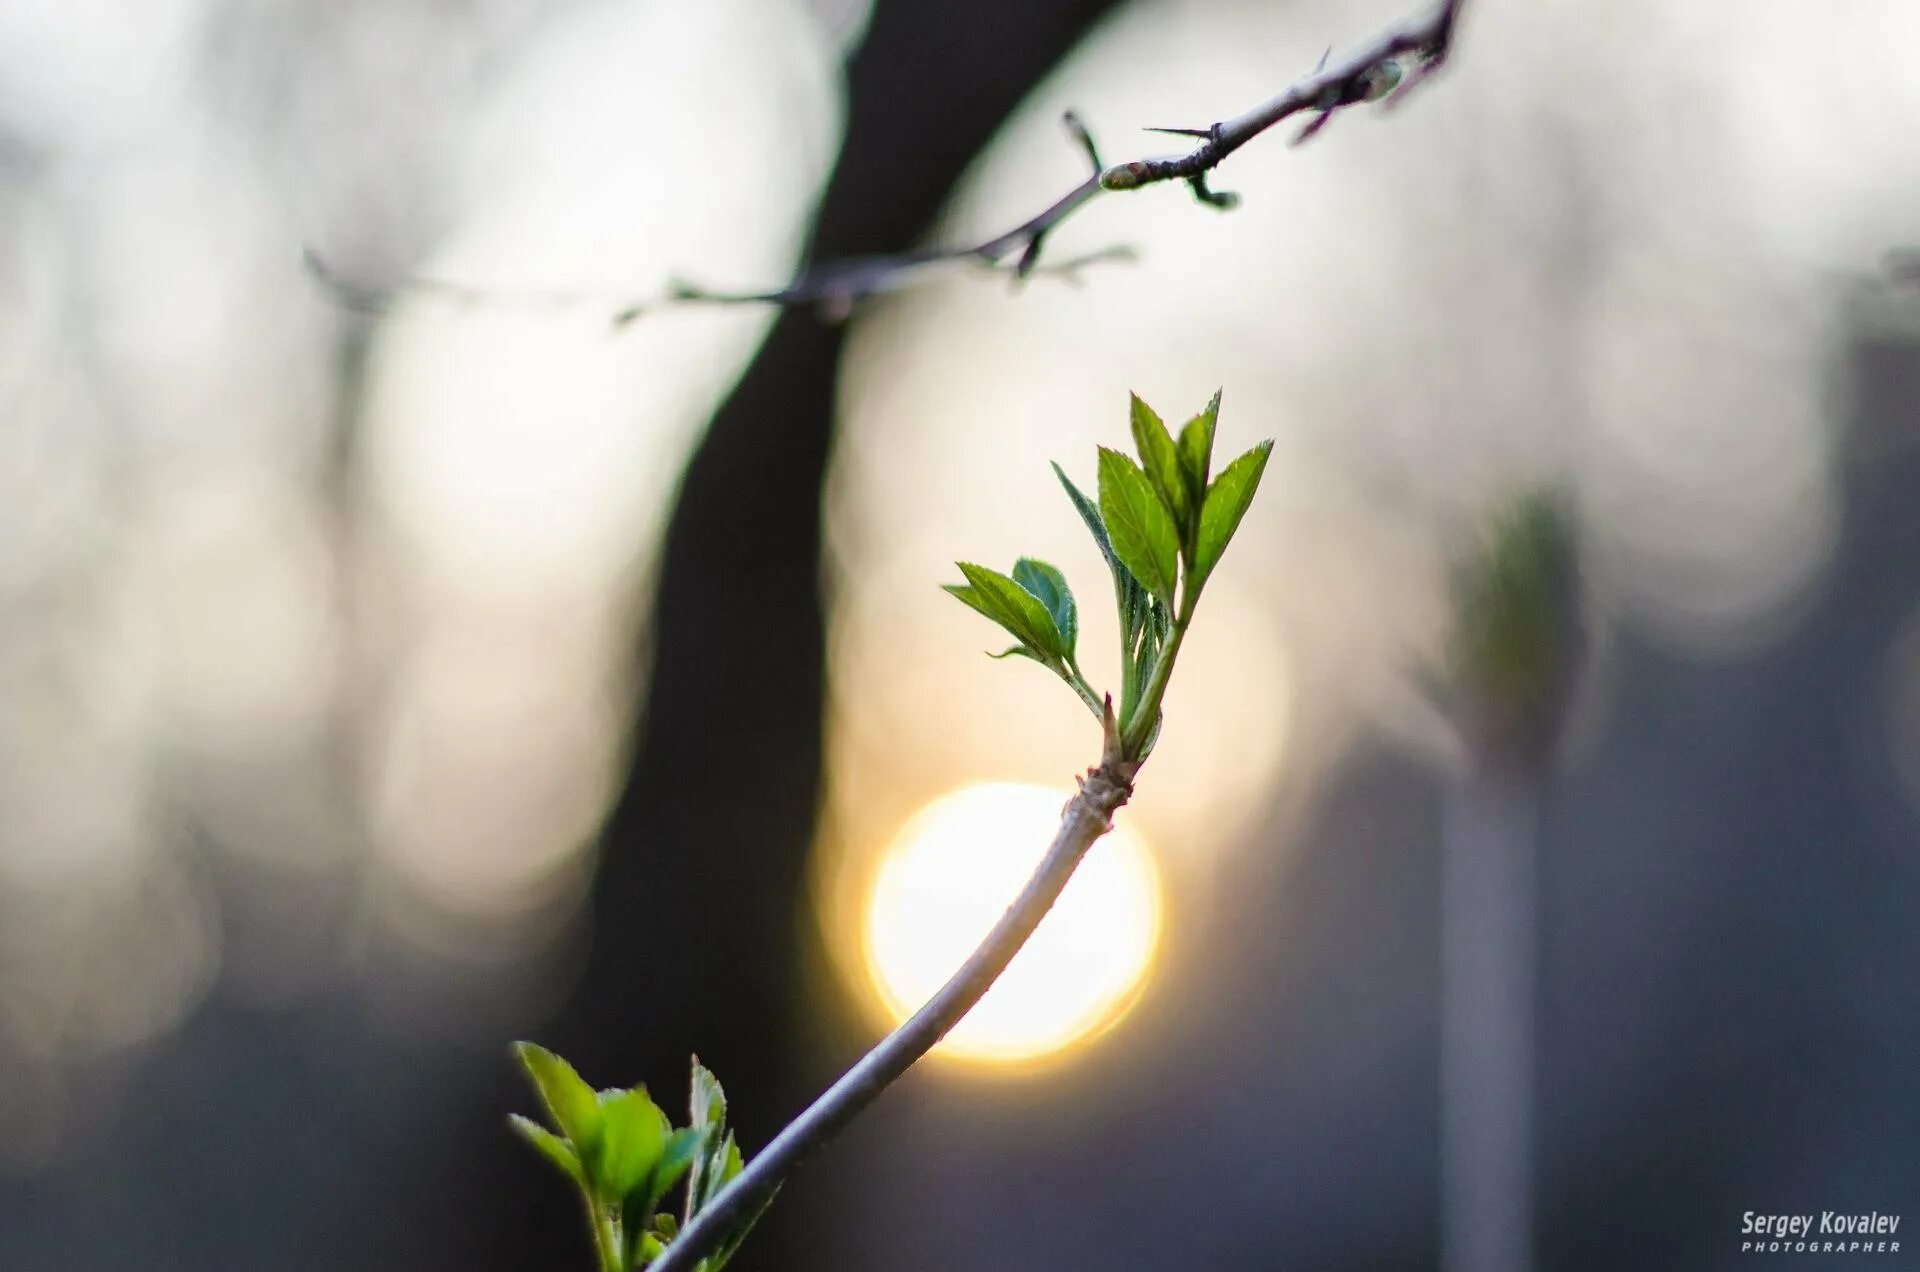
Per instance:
(1087,816)
(836,286)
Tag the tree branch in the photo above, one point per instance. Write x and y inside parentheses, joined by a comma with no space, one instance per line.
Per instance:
(1088,815)
(836,286)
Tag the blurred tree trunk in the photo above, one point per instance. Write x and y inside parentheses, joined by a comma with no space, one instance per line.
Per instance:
(1490,847)
(701,938)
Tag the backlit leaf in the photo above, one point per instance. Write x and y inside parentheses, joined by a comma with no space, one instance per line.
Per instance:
(1196,449)
(1143,533)
(1012,606)
(1162,464)
(1227,501)
(574,1107)
(1048,586)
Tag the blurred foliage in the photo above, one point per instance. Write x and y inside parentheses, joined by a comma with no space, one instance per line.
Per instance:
(1517,640)
(625,1157)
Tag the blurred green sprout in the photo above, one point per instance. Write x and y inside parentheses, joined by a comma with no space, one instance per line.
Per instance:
(625,1157)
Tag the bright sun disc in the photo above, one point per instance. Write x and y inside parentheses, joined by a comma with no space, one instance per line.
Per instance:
(951,872)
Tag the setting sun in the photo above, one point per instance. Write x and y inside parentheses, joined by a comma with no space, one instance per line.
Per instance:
(950,873)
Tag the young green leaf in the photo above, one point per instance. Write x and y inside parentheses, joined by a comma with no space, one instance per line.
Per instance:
(1048,586)
(707,1111)
(1132,598)
(1013,607)
(706,1101)
(683,1148)
(1196,449)
(1091,515)
(1144,536)
(549,1146)
(574,1107)
(1162,463)
(633,1135)
(722,1164)
(1227,501)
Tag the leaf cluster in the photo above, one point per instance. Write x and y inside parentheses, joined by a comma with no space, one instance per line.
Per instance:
(625,1157)
(1162,521)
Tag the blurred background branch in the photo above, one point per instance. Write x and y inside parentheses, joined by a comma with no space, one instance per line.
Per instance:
(834,286)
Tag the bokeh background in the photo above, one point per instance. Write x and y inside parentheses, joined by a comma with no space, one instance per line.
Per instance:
(378,689)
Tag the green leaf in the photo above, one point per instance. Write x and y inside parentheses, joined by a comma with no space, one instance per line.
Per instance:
(1196,449)
(1091,515)
(1143,533)
(706,1101)
(549,1146)
(1132,599)
(1048,586)
(1127,591)
(683,1148)
(633,1135)
(985,603)
(571,1103)
(735,1162)
(722,1164)
(1227,502)
(707,1108)
(1162,462)
(1013,607)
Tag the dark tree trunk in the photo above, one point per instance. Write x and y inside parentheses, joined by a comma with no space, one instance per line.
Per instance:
(701,937)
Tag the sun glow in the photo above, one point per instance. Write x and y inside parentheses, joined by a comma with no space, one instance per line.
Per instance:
(950,873)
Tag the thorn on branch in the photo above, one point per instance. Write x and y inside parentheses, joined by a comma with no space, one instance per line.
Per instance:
(1319,121)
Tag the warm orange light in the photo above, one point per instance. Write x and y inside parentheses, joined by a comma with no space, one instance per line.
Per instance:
(951,872)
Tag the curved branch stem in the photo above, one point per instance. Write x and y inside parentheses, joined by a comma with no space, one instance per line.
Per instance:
(1088,815)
